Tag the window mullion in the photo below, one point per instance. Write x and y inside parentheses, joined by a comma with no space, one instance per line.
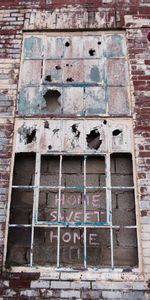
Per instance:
(85,202)
(35,202)
(59,212)
(109,204)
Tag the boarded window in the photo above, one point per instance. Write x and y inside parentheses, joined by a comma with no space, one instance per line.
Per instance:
(78,212)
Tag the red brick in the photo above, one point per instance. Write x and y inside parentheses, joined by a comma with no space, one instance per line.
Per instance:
(19,283)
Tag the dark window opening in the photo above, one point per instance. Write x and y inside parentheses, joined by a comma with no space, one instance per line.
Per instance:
(76,192)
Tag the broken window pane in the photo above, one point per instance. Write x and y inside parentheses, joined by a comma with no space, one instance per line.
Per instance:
(96,205)
(24,169)
(72,247)
(125,248)
(48,205)
(123,208)
(18,252)
(95,165)
(71,171)
(98,248)
(72,205)
(122,174)
(45,247)
(83,74)
(21,206)
(49,170)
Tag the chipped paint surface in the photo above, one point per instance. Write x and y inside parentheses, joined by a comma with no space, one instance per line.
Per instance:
(83,68)
(62,138)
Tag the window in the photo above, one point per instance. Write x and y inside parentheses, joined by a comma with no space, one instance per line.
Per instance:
(72,200)
(77,74)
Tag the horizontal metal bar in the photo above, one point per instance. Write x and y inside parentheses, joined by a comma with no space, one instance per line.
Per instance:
(24,187)
(82,187)
(129,227)
(53,224)
(74,84)
(72,187)
(121,188)
(20,225)
(74,154)
(76,116)
(71,59)
(89,187)
(69,224)
(45,187)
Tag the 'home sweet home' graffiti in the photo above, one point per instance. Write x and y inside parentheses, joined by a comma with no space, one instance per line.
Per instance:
(72,207)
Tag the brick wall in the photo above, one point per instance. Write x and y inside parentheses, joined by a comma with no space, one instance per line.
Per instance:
(134,17)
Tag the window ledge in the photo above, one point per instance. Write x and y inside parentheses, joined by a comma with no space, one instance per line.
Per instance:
(51,273)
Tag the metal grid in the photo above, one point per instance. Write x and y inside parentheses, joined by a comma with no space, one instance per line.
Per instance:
(63,224)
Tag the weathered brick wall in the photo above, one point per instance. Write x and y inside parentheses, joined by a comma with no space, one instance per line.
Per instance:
(134,17)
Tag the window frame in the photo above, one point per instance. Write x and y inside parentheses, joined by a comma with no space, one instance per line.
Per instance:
(37,162)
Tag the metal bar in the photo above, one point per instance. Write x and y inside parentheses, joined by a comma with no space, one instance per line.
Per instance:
(73,225)
(122,188)
(34,205)
(85,200)
(38,173)
(63,84)
(108,189)
(59,211)
(112,248)
(20,225)
(69,224)
(73,187)
(85,248)
(24,187)
(58,246)
(109,204)
(82,187)
(75,116)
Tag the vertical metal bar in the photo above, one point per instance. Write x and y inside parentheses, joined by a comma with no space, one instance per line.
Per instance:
(112,248)
(85,249)
(58,246)
(109,204)
(108,190)
(85,202)
(37,184)
(35,207)
(59,212)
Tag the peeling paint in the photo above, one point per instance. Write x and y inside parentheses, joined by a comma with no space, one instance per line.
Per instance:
(71,136)
(89,71)
(95,74)
(28,134)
